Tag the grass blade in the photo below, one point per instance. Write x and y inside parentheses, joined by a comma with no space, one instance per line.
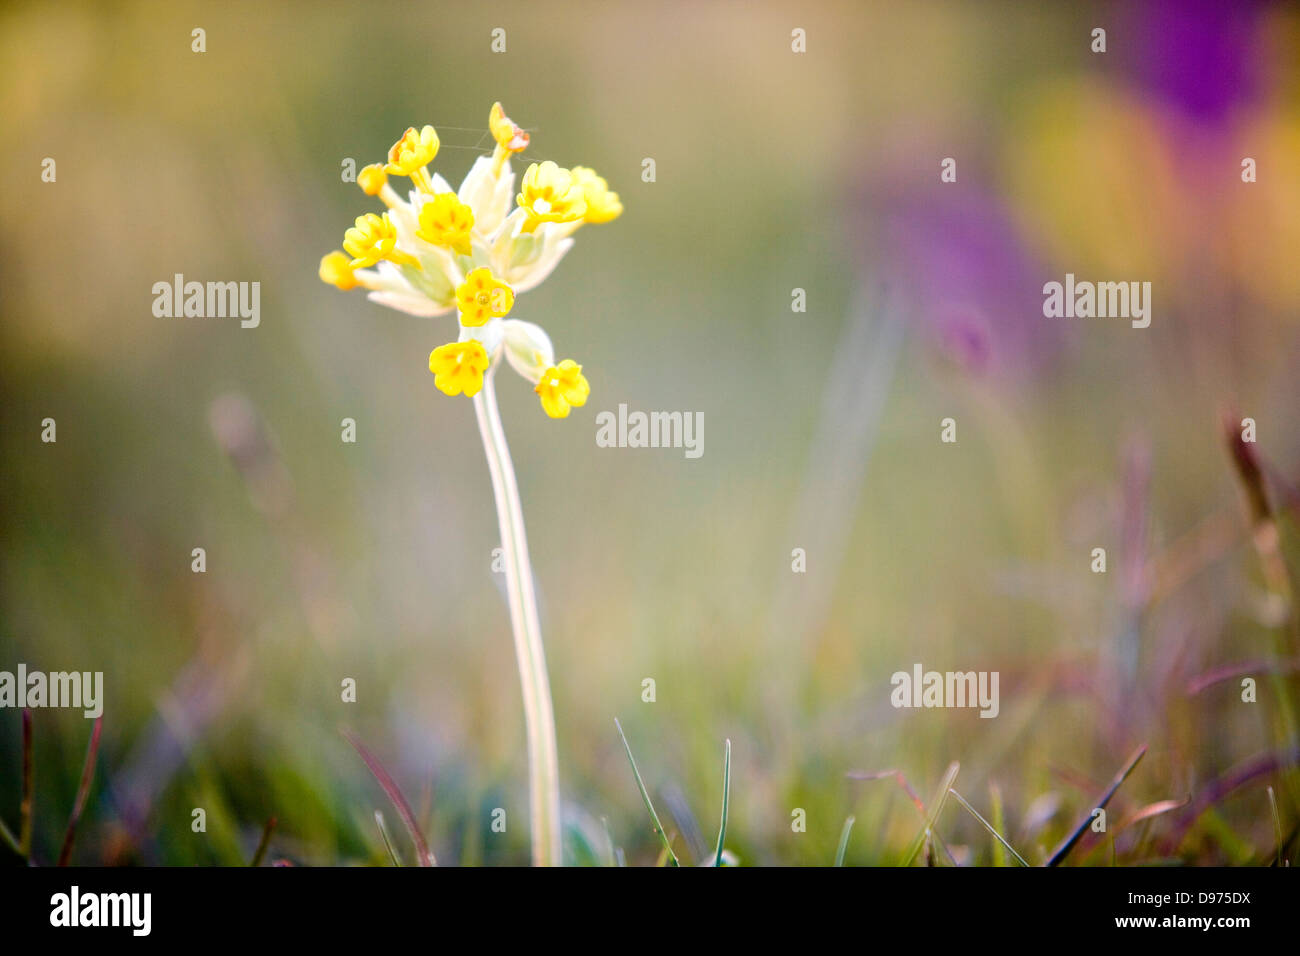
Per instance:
(999,823)
(10,840)
(988,826)
(1238,850)
(383,833)
(936,807)
(83,791)
(726,794)
(844,840)
(422,852)
(615,853)
(1277,825)
(671,857)
(25,809)
(1213,791)
(1153,810)
(264,844)
(1073,838)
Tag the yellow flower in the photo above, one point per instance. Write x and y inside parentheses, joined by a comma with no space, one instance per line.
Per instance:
(550,195)
(603,204)
(446,221)
(336,270)
(458,367)
(563,387)
(372,179)
(412,152)
(508,136)
(374,238)
(483,296)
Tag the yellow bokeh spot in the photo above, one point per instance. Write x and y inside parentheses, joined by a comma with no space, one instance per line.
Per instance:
(603,204)
(563,387)
(550,194)
(336,270)
(446,221)
(458,367)
(412,152)
(483,296)
(373,238)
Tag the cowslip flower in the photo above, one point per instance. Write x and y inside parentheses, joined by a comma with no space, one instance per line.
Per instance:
(412,153)
(446,221)
(550,193)
(482,296)
(563,387)
(458,367)
(336,270)
(510,138)
(602,204)
(473,251)
(373,238)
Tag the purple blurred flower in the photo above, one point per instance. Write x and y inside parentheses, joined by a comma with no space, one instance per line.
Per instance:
(1200,56)
(967,274)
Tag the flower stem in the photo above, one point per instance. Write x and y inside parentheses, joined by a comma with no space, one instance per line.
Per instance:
(539,718)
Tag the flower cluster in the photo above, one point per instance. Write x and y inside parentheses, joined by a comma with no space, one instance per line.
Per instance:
(473,250)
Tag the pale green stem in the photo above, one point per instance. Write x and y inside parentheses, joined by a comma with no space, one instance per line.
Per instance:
(539,719)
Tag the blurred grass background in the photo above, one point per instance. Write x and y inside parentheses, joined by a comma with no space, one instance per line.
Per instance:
(775,170)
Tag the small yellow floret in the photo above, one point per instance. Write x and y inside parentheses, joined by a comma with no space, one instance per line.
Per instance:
(550,194)
(374,238)
(563,387)
(372,179)
(412,152)
(508,136)
(483,296)
(603,204)
(458,367)
(446,221)
(336,270)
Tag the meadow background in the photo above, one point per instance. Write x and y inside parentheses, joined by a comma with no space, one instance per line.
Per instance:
(775,171)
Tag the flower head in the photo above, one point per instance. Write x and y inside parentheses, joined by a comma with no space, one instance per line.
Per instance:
(471,251)
(603,204)
(373,238)
(412,152)
(550,194)
(563,387)
(483,296)
(458,367)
